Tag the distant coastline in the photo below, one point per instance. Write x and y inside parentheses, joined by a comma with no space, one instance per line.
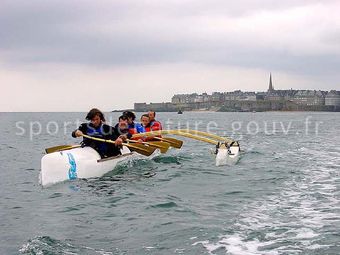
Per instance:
(239,101)
(123,110)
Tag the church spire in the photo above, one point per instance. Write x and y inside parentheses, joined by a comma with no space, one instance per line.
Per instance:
(271,88)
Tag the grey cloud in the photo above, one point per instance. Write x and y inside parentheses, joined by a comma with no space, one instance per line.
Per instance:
(70,32)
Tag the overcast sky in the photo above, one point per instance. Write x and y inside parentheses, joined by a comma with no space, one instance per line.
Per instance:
(74,55)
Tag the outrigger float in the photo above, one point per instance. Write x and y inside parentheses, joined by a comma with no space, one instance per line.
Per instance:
(68,162)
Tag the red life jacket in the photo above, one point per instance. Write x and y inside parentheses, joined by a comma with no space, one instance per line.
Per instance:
(156,125)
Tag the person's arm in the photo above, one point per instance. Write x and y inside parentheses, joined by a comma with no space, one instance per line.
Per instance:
(122,134)
(126,136)
(113,134)
(80,131)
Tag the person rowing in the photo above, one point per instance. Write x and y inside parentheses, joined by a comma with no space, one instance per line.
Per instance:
(122,128)
(147,127)
(96,127)
(133,127)
(155,125)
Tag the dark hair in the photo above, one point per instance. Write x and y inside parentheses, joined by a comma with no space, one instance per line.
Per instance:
(129,114)
(144,115)
(154,113)
(122,117)
(93,113)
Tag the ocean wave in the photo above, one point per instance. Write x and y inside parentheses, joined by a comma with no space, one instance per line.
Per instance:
(293,221)
(47,245)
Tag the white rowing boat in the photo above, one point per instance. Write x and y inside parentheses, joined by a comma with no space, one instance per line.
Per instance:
(77,163)
(86,162)
(226,155)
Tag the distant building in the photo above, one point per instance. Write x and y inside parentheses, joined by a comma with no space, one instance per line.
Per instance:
(206,98)
(238,100)
(272,94)
(217,97)
(332,98)
(260,96)
(271,88)
(248,96)
(234,95)
(309,97)
(299,97)
(140,107)
(184,98)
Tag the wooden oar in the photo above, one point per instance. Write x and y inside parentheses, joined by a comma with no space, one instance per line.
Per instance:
(61,148)
(139,148)
(189,134)
(196,132)
(162,146)
(172,141)
(196,137)
(165,145)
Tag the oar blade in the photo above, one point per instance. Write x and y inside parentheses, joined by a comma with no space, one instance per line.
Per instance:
(172,141)
(141,149)
(60,148)
(162,146)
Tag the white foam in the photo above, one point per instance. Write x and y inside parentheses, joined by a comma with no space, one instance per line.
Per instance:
(305,233)
(292,220)
(236,245)
(149,247)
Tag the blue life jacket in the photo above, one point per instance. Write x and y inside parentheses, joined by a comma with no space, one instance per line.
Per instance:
(136,128)
(98,132)
(140,128)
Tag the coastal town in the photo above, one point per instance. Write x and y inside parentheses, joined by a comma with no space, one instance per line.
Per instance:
(239,101)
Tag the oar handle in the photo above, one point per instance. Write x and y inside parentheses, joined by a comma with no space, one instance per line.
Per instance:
(135,141)
(185,131)
(159,146)
(98,139)
(138,147)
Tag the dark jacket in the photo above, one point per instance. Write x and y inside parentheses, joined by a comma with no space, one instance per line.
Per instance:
(104,132)
(120,132)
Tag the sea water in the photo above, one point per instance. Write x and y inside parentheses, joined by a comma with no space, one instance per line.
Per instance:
(281,197)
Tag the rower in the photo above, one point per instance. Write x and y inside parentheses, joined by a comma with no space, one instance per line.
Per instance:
(133,127)
(146,123)
(155,125)
(122,128)
(97,128)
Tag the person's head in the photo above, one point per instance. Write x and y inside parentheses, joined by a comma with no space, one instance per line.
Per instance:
(123,122)
(130,116)
(145,120)
(152,115)
(96,117)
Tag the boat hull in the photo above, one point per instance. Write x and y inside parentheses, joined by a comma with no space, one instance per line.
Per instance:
(77,163)
(225,156)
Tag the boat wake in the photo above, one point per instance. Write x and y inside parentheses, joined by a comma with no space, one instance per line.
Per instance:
(48,245)
(294,221)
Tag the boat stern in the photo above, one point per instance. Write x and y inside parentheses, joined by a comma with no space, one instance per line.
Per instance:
(56,167)
(227,154)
